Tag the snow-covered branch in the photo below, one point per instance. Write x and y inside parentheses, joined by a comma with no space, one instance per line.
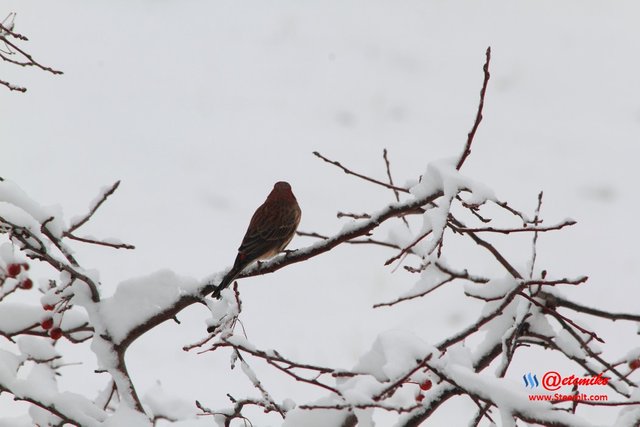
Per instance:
(401,375)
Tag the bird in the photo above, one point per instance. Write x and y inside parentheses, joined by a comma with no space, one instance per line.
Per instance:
(270,230)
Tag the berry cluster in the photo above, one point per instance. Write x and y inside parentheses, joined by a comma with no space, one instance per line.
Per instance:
(13,271)
(18,271)
(48,322)
(424,386)
(47,325)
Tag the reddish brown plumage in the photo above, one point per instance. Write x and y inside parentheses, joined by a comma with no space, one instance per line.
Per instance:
(270,230)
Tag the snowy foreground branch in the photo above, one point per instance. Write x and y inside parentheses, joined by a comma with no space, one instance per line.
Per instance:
(401,376)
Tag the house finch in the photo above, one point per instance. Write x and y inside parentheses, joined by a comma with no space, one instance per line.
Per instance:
(272,227)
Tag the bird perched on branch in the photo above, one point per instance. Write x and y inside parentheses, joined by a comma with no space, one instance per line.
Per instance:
(272,227)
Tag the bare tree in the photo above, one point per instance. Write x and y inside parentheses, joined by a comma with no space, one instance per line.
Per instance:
(523,311)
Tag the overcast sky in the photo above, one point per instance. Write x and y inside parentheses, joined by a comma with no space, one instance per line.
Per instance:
(200,106)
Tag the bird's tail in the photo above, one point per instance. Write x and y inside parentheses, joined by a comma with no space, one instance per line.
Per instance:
(226,281)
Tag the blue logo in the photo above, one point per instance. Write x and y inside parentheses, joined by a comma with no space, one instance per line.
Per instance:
(530,381)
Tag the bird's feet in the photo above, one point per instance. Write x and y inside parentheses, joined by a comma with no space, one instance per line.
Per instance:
(288,252)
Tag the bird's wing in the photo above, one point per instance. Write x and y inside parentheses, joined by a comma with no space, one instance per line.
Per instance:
(271,226)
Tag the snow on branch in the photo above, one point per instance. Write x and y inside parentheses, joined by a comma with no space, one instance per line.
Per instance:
(401,375)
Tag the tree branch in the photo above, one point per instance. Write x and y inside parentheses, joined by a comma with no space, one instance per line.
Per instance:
(366,178)
(476,123)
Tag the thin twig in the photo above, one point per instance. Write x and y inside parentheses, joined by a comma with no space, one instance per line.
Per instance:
(25,236)
(458,226)
(93,210)
(366,178)
(560,316)
(505,206)
(31,61)
(534,243)
(353,215)
(395,192)
(519,229)
(388,166)
(562,302)
(390,389)
(363,241)
(100,242)
(408,248)
(418,295)
(476,123)
(13,87)
(10,31)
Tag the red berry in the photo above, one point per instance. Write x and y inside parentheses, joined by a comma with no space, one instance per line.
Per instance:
(634,364)
(25,266)
(47,323)
(26,284)
(55,333)
(48,307)
(13,270)
(420,397)
(426,385)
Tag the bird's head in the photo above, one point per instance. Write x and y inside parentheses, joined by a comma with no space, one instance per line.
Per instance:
(282,186)
(282,190)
